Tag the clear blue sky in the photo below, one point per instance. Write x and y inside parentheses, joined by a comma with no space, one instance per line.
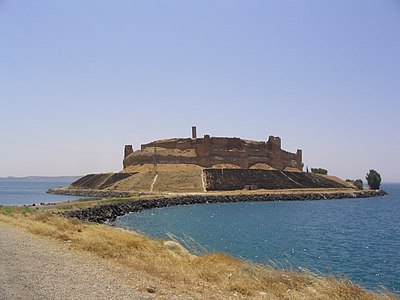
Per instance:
(80,79)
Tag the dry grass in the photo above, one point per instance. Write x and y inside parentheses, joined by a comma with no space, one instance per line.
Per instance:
(338,180)
(176,178)
(212,276)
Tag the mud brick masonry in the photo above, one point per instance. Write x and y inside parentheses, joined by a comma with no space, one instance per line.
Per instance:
(210,151)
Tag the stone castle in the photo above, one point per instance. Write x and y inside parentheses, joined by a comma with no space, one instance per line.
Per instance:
(215,151)
(200,165)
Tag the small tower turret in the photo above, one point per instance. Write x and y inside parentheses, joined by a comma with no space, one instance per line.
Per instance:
(128,150)
(194,132)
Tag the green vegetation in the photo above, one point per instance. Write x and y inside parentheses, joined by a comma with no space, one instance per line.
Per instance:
(358,183)
(374,179)
(15,209)
(319,171)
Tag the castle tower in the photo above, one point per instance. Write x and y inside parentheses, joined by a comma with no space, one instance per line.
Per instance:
(274,143)
(128,150)
(194,132)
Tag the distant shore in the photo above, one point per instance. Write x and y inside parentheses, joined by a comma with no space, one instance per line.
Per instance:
(109,212)
(42,178)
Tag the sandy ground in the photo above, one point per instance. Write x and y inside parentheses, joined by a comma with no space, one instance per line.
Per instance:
(34,268)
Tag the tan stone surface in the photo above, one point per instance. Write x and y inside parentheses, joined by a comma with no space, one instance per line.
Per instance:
(262,166)
(211,151)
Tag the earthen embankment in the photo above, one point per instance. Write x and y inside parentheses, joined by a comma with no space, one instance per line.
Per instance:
(239,179)
(191,178)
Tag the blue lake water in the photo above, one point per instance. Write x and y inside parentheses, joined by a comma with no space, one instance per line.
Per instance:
(20,192)
(355,238)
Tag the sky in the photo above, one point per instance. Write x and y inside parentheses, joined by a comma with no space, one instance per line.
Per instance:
(80,79)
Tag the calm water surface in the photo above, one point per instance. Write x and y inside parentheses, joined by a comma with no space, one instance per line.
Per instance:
(20,192)
(357,238)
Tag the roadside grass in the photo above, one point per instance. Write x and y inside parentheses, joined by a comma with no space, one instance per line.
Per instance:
(4,209)
(212,276)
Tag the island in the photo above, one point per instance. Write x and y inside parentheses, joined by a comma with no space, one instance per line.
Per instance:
(180,171)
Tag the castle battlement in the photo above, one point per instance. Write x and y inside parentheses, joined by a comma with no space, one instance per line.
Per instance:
(210,151)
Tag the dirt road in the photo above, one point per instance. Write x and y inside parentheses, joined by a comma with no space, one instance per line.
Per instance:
(34,268)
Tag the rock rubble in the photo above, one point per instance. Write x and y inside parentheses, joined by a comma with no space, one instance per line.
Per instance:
(88,193)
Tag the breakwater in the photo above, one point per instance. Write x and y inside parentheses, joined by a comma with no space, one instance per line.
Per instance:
(88,193)
(109,212)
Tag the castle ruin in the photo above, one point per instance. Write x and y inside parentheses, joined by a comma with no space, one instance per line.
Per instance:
(213,151)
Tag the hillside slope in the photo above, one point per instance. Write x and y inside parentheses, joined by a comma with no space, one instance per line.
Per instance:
(187,178)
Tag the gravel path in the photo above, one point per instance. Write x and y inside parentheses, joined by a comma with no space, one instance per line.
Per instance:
(35,268)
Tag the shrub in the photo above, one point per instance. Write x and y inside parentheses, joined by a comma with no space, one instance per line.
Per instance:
(319,171)
(358,183)
(374,179)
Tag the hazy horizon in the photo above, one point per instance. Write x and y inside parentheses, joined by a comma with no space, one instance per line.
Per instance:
(79,80)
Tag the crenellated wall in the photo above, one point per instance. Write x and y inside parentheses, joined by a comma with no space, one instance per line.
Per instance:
(209,151)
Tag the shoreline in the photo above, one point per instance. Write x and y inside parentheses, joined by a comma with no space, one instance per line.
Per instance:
(88,193)
(155,268)
(182,274)
(109,212)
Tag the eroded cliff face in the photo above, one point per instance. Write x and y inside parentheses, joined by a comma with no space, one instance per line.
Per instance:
(211,151)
